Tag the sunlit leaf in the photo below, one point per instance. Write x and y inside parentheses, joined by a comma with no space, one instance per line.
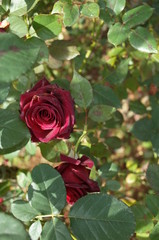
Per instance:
(118,33)
(137,16)
(101,216)
(90,9)
(23,210)
(63,50)
(142,40)
(43,193)
(116,5)
(55,229)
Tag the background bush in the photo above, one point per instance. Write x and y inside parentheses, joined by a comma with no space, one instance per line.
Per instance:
(105,53)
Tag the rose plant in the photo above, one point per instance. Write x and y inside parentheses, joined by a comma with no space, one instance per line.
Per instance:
(79,112)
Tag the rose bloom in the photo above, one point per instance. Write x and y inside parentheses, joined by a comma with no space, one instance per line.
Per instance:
(75,174)
(48,112)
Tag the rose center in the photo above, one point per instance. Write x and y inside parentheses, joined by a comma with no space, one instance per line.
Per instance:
(46,115)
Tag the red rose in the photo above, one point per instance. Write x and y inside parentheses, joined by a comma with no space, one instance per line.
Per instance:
(75,174)
(48,112)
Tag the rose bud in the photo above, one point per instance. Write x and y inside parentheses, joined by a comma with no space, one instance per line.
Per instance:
(1,200)
(48,112)
(4,25)
(75,174)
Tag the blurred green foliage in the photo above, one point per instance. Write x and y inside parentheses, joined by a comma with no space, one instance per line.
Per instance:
(106,54)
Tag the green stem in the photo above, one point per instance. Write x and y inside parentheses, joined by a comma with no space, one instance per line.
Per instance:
(47,71)
(83,134)
(49,216)
(79,140)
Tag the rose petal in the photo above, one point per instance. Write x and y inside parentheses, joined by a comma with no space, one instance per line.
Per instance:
(74,194)
(86,162)
(71,176)
(43,82)
(67,159)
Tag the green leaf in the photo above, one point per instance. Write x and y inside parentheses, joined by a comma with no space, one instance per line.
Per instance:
(81,90)
(53,149)
(116,51)
(142,129)
(101,216)
(11,228)
(155,116)
(17,26)
(152,202)
(115,121)
(57,8)
(35,230)
(154,234)
(113,142)
(47,26)
(106,16)
(55,229)
(155,57)
(12,137)
(112,185)
(21,7)
(11,155)
(99,150)
(4,90)
(43,193)
(63,83)
(16,53)
(119,74)
(24,82)
(63,50)
(137,16)
(4,187)
(101,113)
(2,10)
(90,10)
(43,51)
(118,33)
(152,175)
(147,129)
(31,148)
(142,40)
(143,218)
(155,141)
(6,4)
(23,179)
(71,14)
(108,170)
(105,95)
(116,6)
(137,107)
(23,210)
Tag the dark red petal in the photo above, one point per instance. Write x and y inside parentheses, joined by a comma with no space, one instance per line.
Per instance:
(74,194)
(92,185)
(43,82)
(85,161)
(67,159)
